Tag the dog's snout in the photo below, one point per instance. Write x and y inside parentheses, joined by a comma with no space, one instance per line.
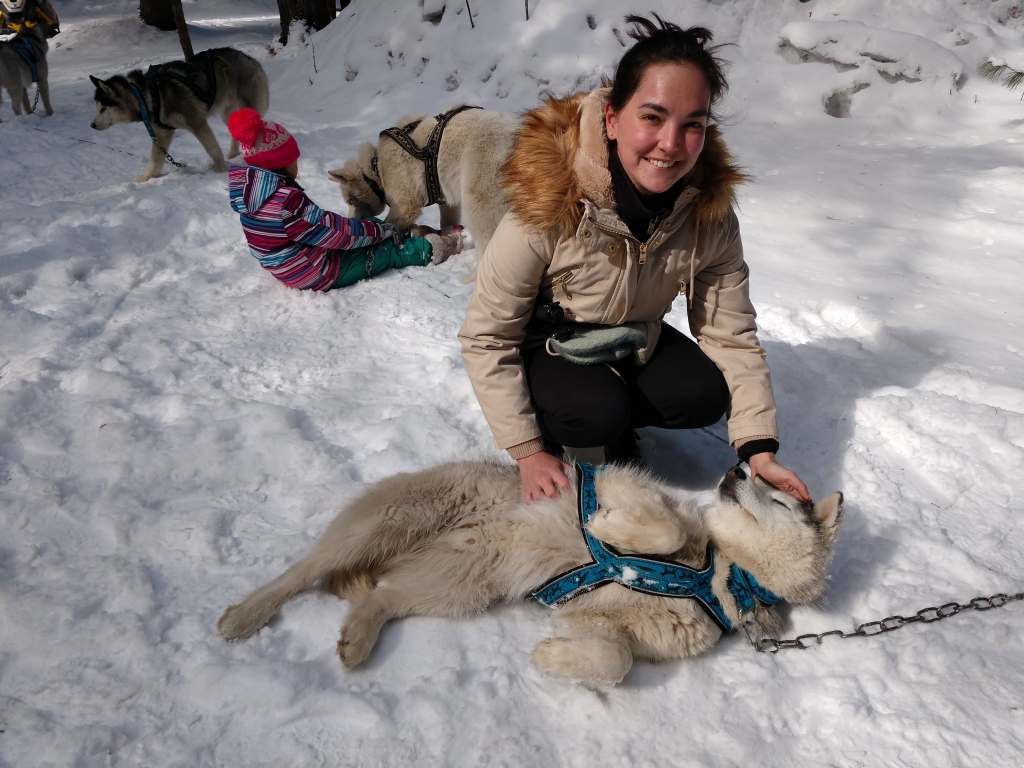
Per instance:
(737,473)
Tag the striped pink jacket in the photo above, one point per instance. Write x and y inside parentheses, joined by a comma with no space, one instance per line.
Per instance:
(297,241)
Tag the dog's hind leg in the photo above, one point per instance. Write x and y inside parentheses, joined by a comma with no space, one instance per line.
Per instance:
(209,142)
(433,582)
(242,620)
(44,94)
(25,103)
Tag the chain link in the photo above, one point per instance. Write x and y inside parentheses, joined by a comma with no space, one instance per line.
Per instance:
(888,624)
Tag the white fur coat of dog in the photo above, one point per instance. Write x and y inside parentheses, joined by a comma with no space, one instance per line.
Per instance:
(454,539)
(474,147)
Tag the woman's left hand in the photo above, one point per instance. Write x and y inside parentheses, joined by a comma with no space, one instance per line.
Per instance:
(765,465)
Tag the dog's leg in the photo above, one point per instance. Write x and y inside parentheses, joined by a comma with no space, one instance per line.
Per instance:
(25,103)
(593,658)
(209,142)
(242,620)
(44,93)
(450,215)
(420,585)
(15,95)
(648,529)
(156,154)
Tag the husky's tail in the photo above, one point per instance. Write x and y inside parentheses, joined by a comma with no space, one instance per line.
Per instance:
(387,521)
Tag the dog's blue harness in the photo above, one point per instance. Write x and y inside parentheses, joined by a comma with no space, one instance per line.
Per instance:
(646,574)
(25,50)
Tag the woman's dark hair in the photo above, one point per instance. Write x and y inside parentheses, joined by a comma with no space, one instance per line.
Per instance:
(666,43)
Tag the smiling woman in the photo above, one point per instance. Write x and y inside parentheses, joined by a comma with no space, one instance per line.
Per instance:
(620,201)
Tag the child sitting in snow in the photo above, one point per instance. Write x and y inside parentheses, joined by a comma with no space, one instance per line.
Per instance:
(302,245)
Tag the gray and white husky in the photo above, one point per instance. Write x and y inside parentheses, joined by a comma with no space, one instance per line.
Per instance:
(16,73)
(176,95)
(452,540)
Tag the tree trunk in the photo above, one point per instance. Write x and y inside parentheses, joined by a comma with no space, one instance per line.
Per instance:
(315,13)
(157,13)
(183,38)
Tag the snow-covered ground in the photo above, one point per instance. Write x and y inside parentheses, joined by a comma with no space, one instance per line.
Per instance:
(176,427)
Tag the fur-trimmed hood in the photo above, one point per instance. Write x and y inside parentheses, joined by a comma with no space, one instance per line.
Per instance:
(560,157)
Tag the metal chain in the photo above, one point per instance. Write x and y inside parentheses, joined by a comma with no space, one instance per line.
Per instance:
(167,155)
(888,624)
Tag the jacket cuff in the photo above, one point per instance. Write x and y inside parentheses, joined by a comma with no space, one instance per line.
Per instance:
(528,448)
(755,446)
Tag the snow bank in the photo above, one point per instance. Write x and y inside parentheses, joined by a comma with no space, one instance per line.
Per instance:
(851,44)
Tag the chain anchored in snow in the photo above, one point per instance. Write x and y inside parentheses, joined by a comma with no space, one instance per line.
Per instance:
(871,628)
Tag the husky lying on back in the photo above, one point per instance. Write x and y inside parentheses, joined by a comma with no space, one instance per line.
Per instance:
(474,147)
(451,540)
(16,71)
(181,95)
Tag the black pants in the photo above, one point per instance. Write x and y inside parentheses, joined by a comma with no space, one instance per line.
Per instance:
(589,405)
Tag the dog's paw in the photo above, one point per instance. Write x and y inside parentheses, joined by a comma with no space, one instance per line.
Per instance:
(145,177)
(237,623)
(591,661)
(646,532)
(354,648)
(220,167)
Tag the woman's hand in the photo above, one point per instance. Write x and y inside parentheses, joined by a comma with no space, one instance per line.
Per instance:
(542,475)
(765,465)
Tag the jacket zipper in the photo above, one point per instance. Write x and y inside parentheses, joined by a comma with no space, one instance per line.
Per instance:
(641,250)
(558,284)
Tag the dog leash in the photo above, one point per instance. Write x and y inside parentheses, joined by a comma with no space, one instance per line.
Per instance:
(429,151)
(888,624)
(84,141)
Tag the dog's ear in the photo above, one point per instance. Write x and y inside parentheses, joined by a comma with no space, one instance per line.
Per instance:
(101,85)
(828,510)
(348,174)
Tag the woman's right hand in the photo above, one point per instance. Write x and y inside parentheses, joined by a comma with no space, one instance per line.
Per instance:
(542,475)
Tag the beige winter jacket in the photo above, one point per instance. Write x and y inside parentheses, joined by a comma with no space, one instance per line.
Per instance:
(562,240)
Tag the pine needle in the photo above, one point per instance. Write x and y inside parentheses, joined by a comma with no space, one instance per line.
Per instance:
(1009,76)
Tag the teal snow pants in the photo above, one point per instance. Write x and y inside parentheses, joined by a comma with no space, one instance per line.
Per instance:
(362,263)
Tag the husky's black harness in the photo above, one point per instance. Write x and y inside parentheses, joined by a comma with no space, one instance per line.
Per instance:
(24,49)
(427,153)
(202,63)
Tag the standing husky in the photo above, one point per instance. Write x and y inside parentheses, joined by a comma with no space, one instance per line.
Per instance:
(182,94)
(451,540)
(473,148)
(23,58)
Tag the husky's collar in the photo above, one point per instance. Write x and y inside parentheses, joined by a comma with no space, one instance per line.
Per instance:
(647,574)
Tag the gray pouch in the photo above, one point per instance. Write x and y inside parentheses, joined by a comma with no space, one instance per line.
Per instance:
(590,344)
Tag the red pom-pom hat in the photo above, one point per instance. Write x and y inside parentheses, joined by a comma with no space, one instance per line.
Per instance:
(264,143)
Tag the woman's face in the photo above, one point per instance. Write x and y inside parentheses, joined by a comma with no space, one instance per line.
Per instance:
(660,130)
